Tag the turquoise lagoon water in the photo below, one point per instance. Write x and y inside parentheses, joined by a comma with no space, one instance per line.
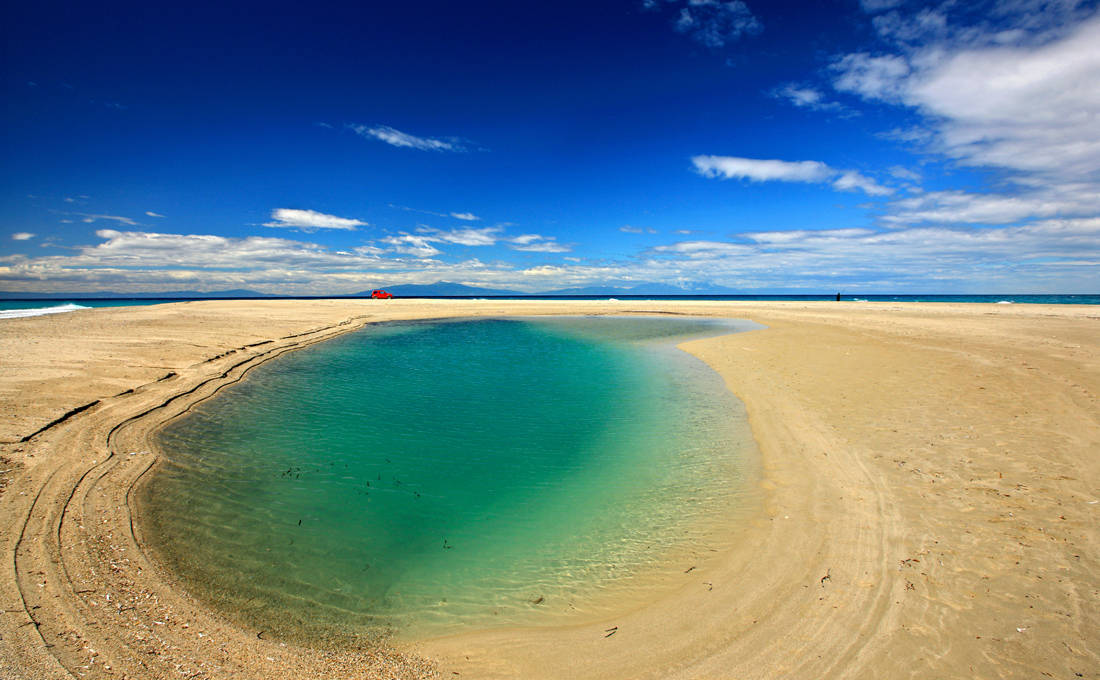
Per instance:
(429,478)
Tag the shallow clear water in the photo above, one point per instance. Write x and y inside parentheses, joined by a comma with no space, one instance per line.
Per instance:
(434,477)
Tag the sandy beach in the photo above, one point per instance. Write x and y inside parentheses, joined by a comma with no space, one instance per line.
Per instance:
(929,501)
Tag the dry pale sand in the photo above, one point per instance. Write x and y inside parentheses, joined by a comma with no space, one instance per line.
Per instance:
(931,478)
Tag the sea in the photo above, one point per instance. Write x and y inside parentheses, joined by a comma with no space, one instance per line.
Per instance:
(428,478)
(11,308)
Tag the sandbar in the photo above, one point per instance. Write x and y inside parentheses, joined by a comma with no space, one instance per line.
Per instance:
(928,506)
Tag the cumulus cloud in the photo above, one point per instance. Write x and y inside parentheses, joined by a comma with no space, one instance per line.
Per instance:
(1051,255)
(873,77)
(22,236)
(1015,94)
(627,229)
(768,170)
(310,220)
(412,244)
(962,207)
(395,137)
(204,251)
(851,180)
(144,261)
(1025,109)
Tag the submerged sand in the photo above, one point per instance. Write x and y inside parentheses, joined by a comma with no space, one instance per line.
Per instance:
(931,478)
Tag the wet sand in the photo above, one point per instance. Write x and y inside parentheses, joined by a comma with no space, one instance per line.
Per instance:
(929,506)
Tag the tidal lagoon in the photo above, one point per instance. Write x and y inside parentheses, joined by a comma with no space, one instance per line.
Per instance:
(429,478)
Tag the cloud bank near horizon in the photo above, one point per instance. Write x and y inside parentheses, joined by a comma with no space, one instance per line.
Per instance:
(1045,256)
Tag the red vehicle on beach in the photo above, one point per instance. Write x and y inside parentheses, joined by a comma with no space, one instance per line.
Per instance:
(380,295)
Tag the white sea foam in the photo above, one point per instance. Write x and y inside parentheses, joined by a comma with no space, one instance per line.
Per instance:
(1004,302)
(39,311)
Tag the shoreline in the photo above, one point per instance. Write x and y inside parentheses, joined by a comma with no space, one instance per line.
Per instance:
(837,501)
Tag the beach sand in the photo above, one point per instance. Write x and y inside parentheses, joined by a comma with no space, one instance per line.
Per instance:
(929,501)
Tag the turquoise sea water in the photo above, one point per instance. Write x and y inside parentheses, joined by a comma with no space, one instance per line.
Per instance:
(429,478)
(9,308)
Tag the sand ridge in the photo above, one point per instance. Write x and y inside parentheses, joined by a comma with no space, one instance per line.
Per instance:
(929,499)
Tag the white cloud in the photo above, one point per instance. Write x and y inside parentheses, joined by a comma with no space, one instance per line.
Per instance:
(89,218)
(526,238)
(1017,94)
(536,243)
(766,170)
(486,236)
(395,137)
(807,97)
(140,261)
(706,249)
(850,180)
(1054,255)
(627,229)
(713,23)
(489,236)
(873,77)
(203,251)
(1021,108)
(310,220)
(927,25)
(961,207)
(150,213)
(468,217)
(1046,256)
(903,173)
(800,96)
(410,244)
(759,170)
(22,236)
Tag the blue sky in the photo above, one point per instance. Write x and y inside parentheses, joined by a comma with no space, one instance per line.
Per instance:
(857,145)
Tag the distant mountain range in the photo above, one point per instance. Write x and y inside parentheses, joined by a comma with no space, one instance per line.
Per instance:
(438,289)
